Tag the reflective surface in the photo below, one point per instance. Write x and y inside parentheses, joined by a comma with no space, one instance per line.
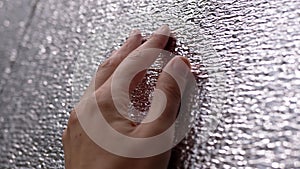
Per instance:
(245,55)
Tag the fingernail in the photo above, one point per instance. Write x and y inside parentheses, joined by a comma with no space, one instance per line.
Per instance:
(163,30)
(135,32)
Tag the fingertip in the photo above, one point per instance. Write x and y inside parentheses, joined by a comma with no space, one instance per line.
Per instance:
(163,30)
(186,60)
(135,32)
(179,69)
(135,36)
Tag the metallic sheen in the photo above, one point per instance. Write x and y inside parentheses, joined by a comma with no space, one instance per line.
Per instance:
(245,54)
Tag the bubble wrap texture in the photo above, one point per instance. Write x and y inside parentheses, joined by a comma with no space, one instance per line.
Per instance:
(245,54)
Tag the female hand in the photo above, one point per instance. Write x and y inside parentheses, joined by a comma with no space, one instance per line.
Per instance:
(81,152)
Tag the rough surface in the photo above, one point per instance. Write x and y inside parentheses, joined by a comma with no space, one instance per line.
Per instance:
(245,53)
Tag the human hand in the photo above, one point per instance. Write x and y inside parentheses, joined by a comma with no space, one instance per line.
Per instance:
(81,152)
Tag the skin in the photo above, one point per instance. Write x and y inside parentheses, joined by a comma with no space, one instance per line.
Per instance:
(82,153)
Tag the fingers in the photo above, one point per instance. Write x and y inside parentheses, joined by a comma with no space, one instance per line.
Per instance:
(107,68)
(137,55)
(171,84)
(142,58)
(137,61)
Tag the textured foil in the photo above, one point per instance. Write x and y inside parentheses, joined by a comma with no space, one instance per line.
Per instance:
(245,55)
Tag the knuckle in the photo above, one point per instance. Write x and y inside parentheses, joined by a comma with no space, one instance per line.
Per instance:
(111,62)
(127,44)
(73,118)
(103,101)
(148,130)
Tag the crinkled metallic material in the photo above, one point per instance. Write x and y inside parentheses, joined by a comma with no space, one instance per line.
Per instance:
(245,54)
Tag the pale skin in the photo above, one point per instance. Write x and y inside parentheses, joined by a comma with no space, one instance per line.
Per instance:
(82,153)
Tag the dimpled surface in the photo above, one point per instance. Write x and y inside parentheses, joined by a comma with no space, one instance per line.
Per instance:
(245,55)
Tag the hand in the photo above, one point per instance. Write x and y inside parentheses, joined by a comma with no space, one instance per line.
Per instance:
(81,152)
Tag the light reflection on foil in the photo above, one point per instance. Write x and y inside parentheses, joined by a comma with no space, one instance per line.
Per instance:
(252,81)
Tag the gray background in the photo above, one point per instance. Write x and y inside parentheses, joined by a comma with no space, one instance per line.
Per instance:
(245,54)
